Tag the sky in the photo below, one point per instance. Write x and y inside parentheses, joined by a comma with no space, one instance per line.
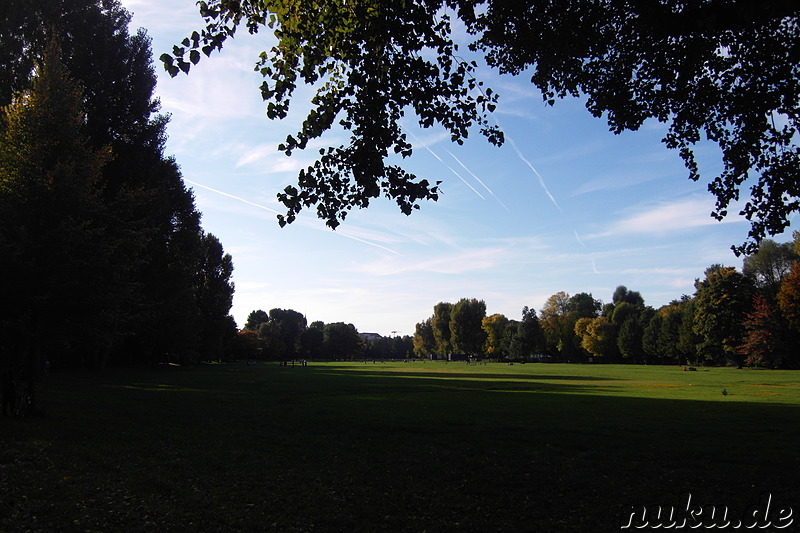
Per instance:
(563,205)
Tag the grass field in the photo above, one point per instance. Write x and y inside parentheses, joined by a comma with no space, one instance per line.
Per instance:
(395,447)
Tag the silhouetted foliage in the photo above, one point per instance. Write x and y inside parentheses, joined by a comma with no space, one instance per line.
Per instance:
(726,71)
(153,286)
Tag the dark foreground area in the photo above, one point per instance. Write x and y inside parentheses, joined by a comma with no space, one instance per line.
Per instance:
(324,448)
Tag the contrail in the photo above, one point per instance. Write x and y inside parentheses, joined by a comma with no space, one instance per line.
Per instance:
(248,202)
(367,242)
(530,165)
(541,179)
(449,167)
(478,179)
(579,239)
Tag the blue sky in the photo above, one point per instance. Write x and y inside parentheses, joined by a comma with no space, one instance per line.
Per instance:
(564,205)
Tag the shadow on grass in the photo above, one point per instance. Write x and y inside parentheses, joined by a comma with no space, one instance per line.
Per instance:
(271,448)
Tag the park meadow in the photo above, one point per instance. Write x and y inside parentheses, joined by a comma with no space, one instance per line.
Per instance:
(396,446)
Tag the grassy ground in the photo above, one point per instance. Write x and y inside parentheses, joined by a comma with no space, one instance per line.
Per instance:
(394,447)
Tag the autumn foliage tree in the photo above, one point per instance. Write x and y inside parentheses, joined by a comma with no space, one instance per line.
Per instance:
(764,340)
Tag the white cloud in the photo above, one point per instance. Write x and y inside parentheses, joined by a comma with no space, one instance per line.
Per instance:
(664,217)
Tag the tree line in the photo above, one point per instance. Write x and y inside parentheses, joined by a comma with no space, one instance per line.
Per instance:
(285,335)
(734,317)
(104,259)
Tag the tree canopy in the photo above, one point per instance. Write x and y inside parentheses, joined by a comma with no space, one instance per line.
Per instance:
(101,241)
(726,71)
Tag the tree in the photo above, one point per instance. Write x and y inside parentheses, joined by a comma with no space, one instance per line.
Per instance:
(494,328)
(556,305)
(765,335)
(528,339)
(467,335)
(289,325)
(789,305)
(312,340)
(583,305)
(598,336)
(558,324)
(440,324)
(668,338)
(688,340)
(214,290)
(651,345)
(145,287)
(245,345)
(341,341)
(255,319)
(726,70)
(631,320)
(629,339)
(53,237)
(722,301)
(769,264)
(789,297)
(424,340)
(623,295)
(271,342)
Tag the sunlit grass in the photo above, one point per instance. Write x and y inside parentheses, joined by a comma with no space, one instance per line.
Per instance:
(667,382)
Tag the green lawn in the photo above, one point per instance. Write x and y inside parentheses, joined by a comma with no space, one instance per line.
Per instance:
(394,447)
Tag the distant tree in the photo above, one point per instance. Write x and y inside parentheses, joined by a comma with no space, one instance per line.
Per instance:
(494,328)
(245,345)
(255,319)
(341,341)
(765,340)
(440,324)
(622,294)
(558,323)
(424,341)
(651,345)
(623,311)
(583,305)
(668,339)
(528,339)
(214,293)
(271,342)
(598,336)
(631,321)
(388,348)
(688,340)
(467,335)
(556,305)
(289,325)
(629,339)
(769,265)
(312,341)
(789,298)
(722,301)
